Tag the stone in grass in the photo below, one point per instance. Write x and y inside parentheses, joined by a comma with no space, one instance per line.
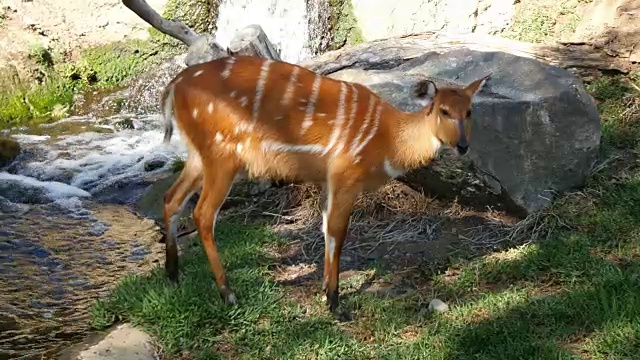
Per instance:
(438,305)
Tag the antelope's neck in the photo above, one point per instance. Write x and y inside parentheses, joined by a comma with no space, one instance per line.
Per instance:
(416,141)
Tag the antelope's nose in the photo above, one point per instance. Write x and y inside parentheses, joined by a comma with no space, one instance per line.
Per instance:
(462,149)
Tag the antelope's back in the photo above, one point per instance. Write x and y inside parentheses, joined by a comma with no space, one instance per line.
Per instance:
(272,114)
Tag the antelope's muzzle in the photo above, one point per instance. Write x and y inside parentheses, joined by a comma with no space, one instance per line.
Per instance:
(463,143)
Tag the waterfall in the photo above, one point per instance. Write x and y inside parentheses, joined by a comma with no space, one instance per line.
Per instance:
(284,21)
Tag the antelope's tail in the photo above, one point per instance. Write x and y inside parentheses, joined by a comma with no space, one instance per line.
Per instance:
(167,112)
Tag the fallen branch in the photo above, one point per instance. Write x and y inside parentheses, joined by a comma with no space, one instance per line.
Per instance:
(175,28)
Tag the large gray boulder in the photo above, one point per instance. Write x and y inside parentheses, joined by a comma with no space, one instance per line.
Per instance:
(535,132)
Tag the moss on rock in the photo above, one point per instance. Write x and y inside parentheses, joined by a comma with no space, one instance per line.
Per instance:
(344,24)
(102,67)
(199,15)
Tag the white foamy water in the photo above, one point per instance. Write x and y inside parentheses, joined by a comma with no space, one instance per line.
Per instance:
(67,167)
(284,21)
(53,189)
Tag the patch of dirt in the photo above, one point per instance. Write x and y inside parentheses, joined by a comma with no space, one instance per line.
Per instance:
(65,26)
(612,25)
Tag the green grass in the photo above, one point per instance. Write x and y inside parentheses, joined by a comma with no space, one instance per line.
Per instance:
(99,68)
(545,21)
(573,296)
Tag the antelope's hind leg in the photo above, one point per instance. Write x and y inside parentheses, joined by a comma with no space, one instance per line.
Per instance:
(217,182)
(175,199)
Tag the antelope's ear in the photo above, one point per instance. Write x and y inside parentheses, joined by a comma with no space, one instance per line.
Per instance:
(475,86)
(426,88)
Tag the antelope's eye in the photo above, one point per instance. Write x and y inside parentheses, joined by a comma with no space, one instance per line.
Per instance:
(468,113)
(445,112)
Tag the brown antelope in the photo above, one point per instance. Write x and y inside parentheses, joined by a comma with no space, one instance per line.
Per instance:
(254,117)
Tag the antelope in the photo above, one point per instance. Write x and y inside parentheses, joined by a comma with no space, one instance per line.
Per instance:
(251,117)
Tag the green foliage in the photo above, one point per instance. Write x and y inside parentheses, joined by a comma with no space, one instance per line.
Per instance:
(544,21)
(199,15)
(38,101)
(619,105)
(95,68)
(344,24)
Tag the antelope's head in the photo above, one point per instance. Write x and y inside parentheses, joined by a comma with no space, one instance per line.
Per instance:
(450,109)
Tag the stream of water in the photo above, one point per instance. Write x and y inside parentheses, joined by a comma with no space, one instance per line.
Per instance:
(66,232)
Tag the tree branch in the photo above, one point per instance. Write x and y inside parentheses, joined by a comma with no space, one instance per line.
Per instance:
(175,28)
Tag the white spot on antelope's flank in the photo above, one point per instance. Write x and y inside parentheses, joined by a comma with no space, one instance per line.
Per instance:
(218,137)
(390,170)
(288,93)
(243,101)
(210,107)
(268,145)
(262,79)
(233,94)
(198,73)
(227,68)
(195,113)
(239,147)
(311,106)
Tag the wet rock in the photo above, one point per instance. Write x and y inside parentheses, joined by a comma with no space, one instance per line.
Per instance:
(155,164)
(8,322)
(9,150)
(124,124)
(536,130)
(151,203)
(16,192)
(143,96)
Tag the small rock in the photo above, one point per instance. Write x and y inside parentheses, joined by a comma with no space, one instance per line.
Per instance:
(154,164)
(123,343)
(204,49)
(8,322)
(125,124)
(438,305)
(9,150)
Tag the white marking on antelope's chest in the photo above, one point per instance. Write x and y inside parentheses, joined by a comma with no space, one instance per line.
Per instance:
(392,171)
(436,143)
(210,107)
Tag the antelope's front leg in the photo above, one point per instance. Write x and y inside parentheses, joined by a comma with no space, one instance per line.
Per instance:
(340,200)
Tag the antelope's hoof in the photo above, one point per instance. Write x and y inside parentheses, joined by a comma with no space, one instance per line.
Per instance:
(341,314)
(228,296)
(172,275)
